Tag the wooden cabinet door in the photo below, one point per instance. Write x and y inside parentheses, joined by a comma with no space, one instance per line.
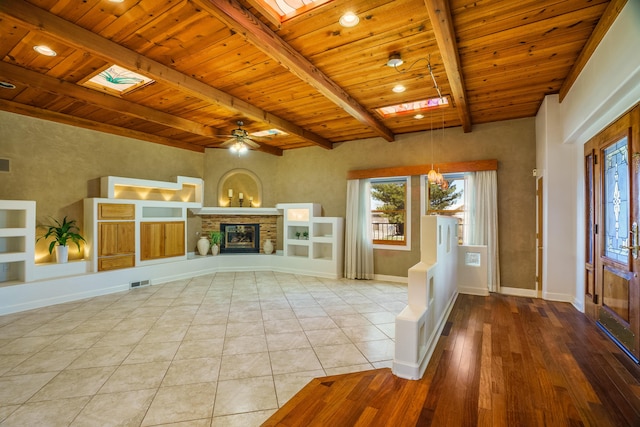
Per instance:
(151,240)
(173,239)
(116,238)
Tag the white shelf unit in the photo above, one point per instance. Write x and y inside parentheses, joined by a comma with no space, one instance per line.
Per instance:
(17,241)
(322,249)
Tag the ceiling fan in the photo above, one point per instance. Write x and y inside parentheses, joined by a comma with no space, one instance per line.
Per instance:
(240,141)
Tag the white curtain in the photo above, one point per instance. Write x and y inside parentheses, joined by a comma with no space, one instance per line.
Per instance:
(469,208)
(358,245)
(483,219)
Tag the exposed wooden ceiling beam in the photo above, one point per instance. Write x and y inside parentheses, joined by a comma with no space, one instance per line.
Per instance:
(268,13)
(28,110)
(37,19)
(440,17)
(606,20)
(236,17)
(15,74)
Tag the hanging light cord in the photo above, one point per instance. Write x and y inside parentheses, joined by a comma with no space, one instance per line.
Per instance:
(428,59)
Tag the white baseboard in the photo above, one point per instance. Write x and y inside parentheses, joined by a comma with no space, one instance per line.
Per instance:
(395,279)
(473,291)
(519,292)
(553,296)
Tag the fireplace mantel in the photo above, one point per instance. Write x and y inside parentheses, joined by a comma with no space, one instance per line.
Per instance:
(236,211)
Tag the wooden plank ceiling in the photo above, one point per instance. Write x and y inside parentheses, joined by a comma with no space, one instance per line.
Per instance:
(216,62)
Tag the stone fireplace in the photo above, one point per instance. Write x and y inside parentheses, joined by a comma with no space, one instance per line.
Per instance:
(240,238)
(267,225)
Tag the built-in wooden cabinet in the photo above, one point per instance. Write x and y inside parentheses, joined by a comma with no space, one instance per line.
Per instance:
(121,211)
(116,243)
(132,233)
(161,240)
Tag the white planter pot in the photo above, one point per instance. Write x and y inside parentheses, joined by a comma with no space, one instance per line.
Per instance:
(215,249)
(62,254)
(203,246)
(268,247)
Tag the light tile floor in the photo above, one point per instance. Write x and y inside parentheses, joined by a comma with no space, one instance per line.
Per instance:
(220,350)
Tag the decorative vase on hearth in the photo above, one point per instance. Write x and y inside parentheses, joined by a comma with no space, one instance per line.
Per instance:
(203,245)
(268,247)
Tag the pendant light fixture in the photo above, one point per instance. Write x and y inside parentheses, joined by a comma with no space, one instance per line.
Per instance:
(432,176)
(440,179)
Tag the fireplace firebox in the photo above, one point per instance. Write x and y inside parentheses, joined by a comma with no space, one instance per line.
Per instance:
(240,238)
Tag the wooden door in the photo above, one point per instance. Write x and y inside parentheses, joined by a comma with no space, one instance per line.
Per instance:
(612,183)
(539,238)
(591,200)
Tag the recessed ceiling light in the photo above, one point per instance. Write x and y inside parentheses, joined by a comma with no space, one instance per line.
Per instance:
(7,85)
(399,89)
(45,50)
(349,19)
(395,60)
(116,1)
(419,116)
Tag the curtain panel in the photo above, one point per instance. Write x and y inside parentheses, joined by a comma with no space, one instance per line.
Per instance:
(358,248)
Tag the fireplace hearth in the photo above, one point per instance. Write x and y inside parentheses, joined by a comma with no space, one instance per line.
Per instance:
(240,238)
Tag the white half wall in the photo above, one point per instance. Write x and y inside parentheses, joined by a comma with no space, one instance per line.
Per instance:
(431,294)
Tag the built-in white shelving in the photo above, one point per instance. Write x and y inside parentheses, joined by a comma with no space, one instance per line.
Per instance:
(17,241)
(311,237)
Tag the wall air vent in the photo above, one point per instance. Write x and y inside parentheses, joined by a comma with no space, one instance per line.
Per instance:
(5,165)
(139,284)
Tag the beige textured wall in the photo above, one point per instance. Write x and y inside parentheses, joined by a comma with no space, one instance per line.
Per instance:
(319,175)
(58,166)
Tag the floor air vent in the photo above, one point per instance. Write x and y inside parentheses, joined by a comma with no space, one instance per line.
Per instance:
(139,284)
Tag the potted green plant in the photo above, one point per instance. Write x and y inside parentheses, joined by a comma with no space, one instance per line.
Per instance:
(62,232)
(215,237)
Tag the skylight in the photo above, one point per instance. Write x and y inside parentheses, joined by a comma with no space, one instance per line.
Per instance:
(286,9)
(117,80)
(269,132)
(412,107)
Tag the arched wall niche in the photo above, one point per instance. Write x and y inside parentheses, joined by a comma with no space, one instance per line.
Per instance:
(240,181)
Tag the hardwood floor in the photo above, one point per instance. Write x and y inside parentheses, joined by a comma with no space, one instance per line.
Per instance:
(501,361)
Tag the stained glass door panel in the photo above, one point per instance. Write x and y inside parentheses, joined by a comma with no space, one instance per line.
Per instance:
(616,202)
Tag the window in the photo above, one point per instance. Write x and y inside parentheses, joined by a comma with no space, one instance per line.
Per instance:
(446,201)
(390,209)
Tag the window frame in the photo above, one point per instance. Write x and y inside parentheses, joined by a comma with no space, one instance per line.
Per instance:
(406,244)
(424,201)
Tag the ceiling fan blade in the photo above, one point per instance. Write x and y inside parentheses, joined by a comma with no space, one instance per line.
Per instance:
(251,143)
(228,142)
